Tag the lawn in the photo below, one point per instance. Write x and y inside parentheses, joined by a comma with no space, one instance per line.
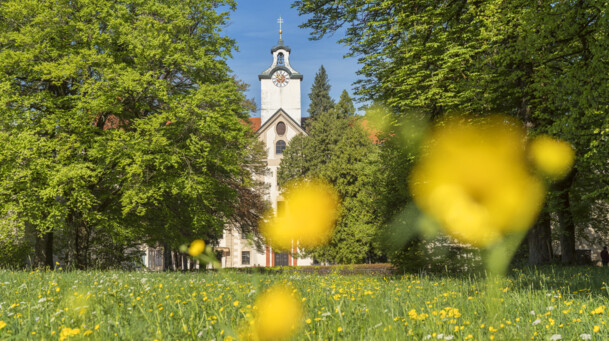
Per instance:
(549,304)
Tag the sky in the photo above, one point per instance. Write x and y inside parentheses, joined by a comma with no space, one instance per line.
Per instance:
(254,26)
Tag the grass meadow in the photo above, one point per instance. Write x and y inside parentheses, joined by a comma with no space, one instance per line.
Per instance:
(547,304)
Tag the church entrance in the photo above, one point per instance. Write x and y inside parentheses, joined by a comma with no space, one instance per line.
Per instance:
(281,259)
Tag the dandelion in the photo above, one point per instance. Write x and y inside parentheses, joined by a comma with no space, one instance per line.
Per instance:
(2,324)
(598,310)
(68,332)
(196,247)
(307,218)
(278,315)
(473,179)
(596,329)
(552,157)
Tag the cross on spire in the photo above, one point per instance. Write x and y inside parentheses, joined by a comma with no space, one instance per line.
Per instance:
(280,21)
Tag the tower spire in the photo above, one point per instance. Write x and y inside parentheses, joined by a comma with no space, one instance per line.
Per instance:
(280,21)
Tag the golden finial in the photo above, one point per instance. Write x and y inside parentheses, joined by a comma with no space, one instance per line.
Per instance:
(280,21)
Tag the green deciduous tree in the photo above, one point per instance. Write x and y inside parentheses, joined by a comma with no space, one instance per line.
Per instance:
(543,62)
(122,125)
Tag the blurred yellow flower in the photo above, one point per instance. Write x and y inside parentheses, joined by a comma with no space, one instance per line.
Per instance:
(196,247)
(307,218)
(472,178)
(68,332)
(553,158)
(278,315)
(2,324)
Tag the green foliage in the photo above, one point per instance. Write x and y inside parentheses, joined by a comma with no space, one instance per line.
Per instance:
(344,107)
(339,151)
(320,94)
(544,63)
(121,122)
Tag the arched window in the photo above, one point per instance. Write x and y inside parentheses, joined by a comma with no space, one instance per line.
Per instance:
(280,59)
(279,147)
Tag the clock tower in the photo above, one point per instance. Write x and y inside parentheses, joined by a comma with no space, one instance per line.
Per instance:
(280,85)
(279,123)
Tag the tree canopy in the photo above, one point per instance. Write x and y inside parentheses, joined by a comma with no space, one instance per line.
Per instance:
(121,124)
(544,62)
(320,94)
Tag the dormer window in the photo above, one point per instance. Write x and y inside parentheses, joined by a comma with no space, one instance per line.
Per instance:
(280,59)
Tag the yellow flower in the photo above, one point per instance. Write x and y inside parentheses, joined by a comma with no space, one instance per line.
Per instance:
(278,315)
(554,158)
(473,179)
(306,219)
(88,332)
(196,247)
(2,324)
(68,332)
(596,329)
(598,310)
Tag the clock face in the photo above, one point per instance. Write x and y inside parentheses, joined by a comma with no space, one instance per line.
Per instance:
(281,78)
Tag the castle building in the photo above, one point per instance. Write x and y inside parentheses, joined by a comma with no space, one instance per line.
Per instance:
(280,120)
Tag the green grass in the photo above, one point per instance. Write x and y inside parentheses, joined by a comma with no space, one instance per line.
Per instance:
(205,306)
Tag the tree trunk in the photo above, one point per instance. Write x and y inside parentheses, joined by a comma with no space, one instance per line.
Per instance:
(174,258)
(167,261)
(39,258)
(77,263)
(48,249)
(540,240)
(565,219)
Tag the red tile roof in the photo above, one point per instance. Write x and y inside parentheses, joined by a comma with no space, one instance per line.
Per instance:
(255,123)
(372,133)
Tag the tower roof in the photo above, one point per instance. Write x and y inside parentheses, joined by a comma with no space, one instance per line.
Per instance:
(280,46)
(266,74)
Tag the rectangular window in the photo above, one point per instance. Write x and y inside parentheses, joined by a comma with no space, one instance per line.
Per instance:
(245,257)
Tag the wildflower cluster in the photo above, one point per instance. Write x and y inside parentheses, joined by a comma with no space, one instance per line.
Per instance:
(225,306)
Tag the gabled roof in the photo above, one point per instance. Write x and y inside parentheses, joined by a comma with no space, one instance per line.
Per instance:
(278,113)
